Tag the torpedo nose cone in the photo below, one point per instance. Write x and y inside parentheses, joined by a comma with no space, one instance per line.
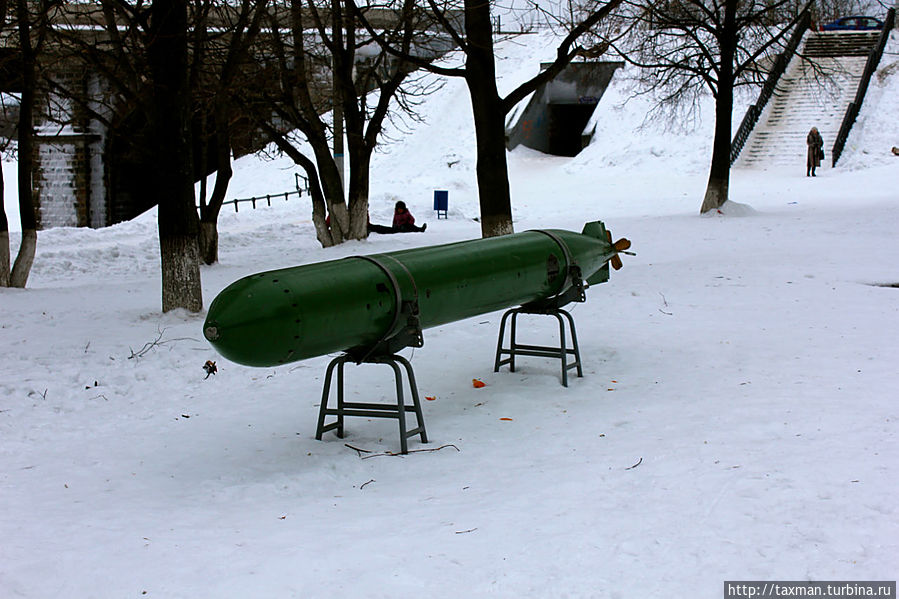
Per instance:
(211,332)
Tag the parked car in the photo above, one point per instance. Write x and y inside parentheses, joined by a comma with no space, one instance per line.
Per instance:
(853,23)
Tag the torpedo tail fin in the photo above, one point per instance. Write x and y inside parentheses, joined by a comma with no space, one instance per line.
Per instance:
(597,230)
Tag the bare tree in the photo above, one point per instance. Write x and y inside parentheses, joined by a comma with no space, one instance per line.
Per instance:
(223,35)
(8,110)
(33,24)
(686,47)
(475,39)
(112,39)
(140,49)
(167,57)
(297,104)
(4,223)
(327,60)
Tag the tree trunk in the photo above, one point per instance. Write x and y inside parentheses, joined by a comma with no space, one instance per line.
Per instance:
(178,222)
(716,192)
(332,188)
(4,257)
(489,121)
(25,258)
(209,241)
(4,223)
(180,273)
(319,210)
(319,213)
(492,170)
(360,159)
(209,237)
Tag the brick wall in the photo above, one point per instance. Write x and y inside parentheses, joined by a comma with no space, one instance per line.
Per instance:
(69,170)
(61,180)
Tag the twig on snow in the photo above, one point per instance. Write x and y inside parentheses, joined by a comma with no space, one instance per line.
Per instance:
(665,303)
(156,343)
(397,453)
(356,449)
(635,465)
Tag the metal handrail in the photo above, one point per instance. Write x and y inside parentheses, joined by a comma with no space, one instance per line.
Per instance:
(780,66)
(855,106)
(266,198)
(302,183)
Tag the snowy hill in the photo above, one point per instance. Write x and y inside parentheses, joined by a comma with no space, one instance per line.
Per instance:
(736,421)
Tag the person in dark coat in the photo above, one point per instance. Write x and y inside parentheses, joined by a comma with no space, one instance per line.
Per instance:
(403,222)
(815,152)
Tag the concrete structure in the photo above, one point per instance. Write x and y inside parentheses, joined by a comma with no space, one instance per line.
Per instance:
(554,120)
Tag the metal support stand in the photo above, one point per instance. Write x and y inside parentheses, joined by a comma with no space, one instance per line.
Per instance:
(573,290)
(544,351)
(405,331)
(372,410)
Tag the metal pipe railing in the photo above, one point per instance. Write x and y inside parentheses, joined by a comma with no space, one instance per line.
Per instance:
(780,66)
(856,105)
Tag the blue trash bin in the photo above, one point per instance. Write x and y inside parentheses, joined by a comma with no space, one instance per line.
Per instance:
(441,203)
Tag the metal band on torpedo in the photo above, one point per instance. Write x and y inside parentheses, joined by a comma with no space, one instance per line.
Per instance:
(569,261)
(397,292)
(408,274)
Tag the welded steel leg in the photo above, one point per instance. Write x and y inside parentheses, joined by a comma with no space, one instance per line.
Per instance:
(326,396)
(498,361)
(400,403)
(416,400)
(574,344)
(500,350)
(513,345)
(340,408)
(563,351)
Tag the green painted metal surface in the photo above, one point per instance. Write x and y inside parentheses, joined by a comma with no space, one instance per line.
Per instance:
(290,314)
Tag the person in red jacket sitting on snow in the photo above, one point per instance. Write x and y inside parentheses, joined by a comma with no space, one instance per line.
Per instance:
(403,222)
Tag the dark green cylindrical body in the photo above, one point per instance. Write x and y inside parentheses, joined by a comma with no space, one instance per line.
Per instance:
(290,314)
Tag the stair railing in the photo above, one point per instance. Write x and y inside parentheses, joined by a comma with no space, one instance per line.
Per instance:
(780,66)
(856,105)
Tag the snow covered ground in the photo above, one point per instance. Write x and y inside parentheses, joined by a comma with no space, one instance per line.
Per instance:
(737,419)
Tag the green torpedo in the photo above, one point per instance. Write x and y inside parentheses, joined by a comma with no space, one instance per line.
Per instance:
(291,314)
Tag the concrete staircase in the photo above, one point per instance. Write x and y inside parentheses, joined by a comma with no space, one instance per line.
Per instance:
(809,95)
